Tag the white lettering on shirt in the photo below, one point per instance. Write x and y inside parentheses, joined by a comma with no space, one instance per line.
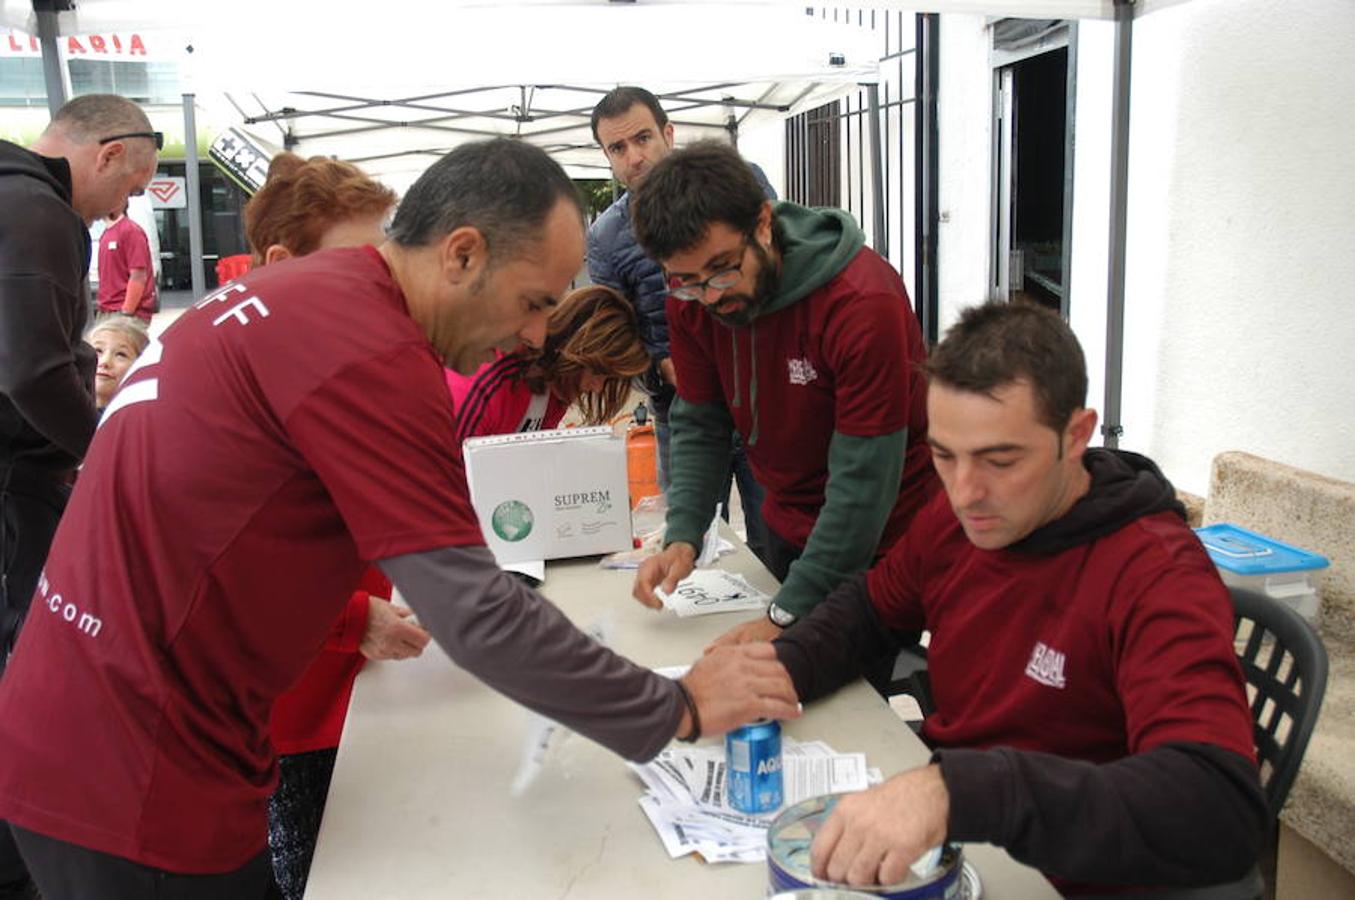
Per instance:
(69,612)
(801,371)
(1046,666)
(140,391)
(220,294)
(238,313)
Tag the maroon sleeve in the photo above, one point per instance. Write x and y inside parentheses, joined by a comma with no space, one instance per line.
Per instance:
(698,379)
(895,582)
(138,254)
(1176,670)
(346,635)
(867,344)
(379,434)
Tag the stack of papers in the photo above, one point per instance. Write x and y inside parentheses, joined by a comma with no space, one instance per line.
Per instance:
(686,803)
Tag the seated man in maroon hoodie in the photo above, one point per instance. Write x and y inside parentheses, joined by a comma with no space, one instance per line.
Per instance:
(1090,715)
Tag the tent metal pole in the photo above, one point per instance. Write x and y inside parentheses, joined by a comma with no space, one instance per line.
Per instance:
(1111,428)
(926,172)
(51,57)
(194,188)
(877,185)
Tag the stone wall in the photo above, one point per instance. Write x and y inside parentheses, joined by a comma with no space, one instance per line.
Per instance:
(1317,514)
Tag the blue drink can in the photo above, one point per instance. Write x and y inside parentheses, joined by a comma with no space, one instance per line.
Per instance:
(753,766)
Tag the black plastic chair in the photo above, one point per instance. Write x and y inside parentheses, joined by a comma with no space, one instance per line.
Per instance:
(1285,665)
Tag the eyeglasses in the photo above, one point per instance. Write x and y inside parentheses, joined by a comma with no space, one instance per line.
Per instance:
(157,136)
(722,280)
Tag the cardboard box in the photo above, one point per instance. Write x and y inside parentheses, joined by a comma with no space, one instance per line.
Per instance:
(550,494)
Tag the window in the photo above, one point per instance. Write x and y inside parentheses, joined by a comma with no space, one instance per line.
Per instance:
(21,82)
(138,81)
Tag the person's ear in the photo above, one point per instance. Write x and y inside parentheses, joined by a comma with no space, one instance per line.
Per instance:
(668,135)
(763,232)
(110,156)
(464,255)
(276,253)
(1078,434)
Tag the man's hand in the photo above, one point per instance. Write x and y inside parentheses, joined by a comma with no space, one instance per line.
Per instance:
(664,570)
(668,371)
(389,634)
(732,686)
(874,836)
(763,629)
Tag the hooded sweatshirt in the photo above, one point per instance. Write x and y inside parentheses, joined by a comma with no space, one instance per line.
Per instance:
(823,386)
(1089,708)
(47,413)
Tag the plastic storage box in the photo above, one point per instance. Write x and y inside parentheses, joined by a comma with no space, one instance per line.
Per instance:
(1250,560)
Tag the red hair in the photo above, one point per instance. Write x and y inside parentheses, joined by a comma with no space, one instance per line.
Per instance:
(302,199)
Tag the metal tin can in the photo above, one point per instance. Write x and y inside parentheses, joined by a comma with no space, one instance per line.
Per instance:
(753,766)
(788,841)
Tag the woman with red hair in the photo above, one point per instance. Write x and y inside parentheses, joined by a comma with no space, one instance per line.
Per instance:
(307,206)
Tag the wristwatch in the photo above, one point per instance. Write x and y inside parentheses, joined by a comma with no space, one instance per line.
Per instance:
(782,618)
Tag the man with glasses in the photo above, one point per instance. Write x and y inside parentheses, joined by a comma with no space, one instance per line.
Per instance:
(635,134)
(785,326)
(97,151)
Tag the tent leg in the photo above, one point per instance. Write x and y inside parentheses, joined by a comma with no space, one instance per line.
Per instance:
(51,60)
(880,239)
(1112,428)
(193,186)
(926,173)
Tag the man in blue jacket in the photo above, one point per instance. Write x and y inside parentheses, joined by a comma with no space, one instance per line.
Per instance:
(635,134)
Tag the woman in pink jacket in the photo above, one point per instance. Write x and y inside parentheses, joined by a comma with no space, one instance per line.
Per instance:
(591,354)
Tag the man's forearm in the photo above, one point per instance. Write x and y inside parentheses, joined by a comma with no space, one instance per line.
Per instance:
(136,288)
(1180,814)
(40,376)
(702,444)
(863,485)
(520,644)
(825,649)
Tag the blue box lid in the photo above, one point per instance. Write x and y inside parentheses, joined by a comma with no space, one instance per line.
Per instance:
(1248,553)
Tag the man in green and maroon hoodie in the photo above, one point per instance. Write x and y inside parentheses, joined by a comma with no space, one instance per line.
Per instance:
(784,325)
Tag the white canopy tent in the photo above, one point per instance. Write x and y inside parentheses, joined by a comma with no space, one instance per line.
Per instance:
(435,73)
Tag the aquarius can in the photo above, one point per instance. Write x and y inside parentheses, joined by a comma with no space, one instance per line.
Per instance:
(753,766)
(792,833)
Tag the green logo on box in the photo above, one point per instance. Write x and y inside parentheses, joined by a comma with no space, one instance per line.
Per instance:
(512,520)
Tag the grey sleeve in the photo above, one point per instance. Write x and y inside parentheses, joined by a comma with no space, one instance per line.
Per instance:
(520,644)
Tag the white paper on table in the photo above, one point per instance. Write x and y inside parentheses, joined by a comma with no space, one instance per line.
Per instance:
(708,591)
(809,776)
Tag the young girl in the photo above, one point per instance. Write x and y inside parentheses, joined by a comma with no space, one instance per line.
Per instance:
(118,341)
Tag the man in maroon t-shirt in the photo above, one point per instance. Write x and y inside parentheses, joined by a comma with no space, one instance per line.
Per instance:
(290,428)
(1089,710)
(126,275)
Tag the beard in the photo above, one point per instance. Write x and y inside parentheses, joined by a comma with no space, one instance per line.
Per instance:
(768,283)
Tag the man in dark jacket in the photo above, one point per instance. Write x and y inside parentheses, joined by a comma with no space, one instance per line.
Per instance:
(96,151)
(635,134)
(785,326)
(1089,712)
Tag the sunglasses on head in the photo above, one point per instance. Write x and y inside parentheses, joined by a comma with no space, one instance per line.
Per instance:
(156,136)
